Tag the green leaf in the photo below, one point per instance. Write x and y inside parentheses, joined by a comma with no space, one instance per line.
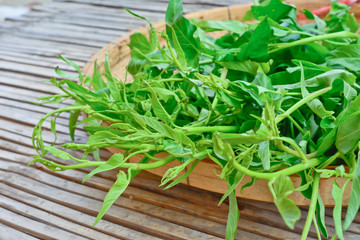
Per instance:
(140,47)
(306,182)
(327,142)
(346,57)
(115,161)
(173,172)
(257,47)
(322,80)
(222,149)
(184,176)
(176,149)
(103,137)
(158,108)
(264,154)
(174,12)
(162,128)
(97,81)
(74,115)
(275,9)
(177,46)
(152,35)
(63,74)
(111,81)
(315,105)
(354,201)
(320,216)
(248,184)
(121,183)
(232,185)
(339,19)
(57,152)
(233,217)
(348,134)
(229,25)
(337,194)
(230,99)
(135,66)
(320,24)
(190,45)
(280,188)
(53,125)
(247,66)
(74,65)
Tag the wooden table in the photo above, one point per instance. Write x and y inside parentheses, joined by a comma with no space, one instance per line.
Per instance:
(36,203)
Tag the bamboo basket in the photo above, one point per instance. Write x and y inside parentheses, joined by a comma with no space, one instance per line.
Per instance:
(203,176)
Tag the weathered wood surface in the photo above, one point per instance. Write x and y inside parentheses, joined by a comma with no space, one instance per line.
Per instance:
(36,203)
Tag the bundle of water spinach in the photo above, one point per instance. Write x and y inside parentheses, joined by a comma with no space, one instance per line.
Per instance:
(268,100)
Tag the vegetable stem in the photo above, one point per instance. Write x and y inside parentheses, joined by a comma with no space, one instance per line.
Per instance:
(295,146)
(37,133)
(286,172)
(173,56)
(329,161)
(342,34)
(227,129)
(303,101)
(133,166)
(312,207)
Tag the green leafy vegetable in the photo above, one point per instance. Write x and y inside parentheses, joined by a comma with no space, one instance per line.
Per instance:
(115,191)
(267,99)
(354,201)
(337,194)
(281,188)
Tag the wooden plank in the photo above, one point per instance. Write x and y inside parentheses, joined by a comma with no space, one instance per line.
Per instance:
(211,3)
(168,215)
(198,210)
(166,202)
(51,63)
(7,232)
(68,34)
(117,214)
(32,227)
(195,208)
(51,219)
(149,197)
(15,146)
(247,213)
(28,69)
(12,129)
(28,94)
(70,27)
(45,89)
(135,5)
(43,51)
(55,8)
(33,118)
(43,109)
(97,24)
(153,7)
(46,48)
(198,224)
(63,39)
(25,95)
(78,217)
(188,208)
